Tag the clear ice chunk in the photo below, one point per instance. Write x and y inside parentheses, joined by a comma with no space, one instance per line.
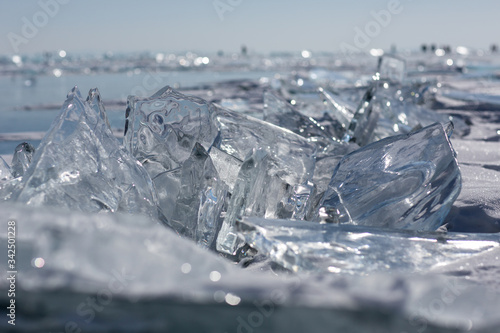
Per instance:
(227,166)
(170,133)
(342,110)
(399,115)
(327,160)
(279,112)
(162,130)
(22,158)
(390,107)
(7,181)
(312,103)
(5,171)
(391,68)
(387,109)
(239,134)
(347,249)
(81,165)
(259,191)
(196,213)
(406,182)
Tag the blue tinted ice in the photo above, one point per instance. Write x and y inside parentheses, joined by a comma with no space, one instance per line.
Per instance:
(162,130)
(342,110)
(260,191)
(5,171)
(197,197)
(7,180)
(239,134)
(81,165)
(176,137)
(279,112)
(391,106)
(22,158)
(227,166)
(391,68)
(405,182)
(345,249)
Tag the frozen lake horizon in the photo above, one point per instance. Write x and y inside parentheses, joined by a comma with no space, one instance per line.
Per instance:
(273,193)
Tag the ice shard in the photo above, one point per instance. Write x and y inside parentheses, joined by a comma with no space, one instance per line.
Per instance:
(406,182)
(7,180)
(391,106)
(342,110)
(195,198)
(259,191)
(279,112)
(365,119)
(170,133)
(391,68)
(386,110)
(81,165)
(227,166)
(160,131)
(329,113)
(239,134)
(22,158)
(359,250)
(400,115)
(5,171)
(327,160)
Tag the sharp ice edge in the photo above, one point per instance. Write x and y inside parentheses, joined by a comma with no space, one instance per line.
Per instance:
(5,171)
(406,182)
(279,112)
(390,106)
(161,132)
(200,198)
(227,166)
(391,67)
(363,123)
(22,159)
(342,110)
(197,183)
(347,249)
(259,191)
(81,165)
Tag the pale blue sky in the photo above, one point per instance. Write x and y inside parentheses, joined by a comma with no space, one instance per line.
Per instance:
(263,25)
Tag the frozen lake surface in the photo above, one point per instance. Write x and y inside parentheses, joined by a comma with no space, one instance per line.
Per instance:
(257,194)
